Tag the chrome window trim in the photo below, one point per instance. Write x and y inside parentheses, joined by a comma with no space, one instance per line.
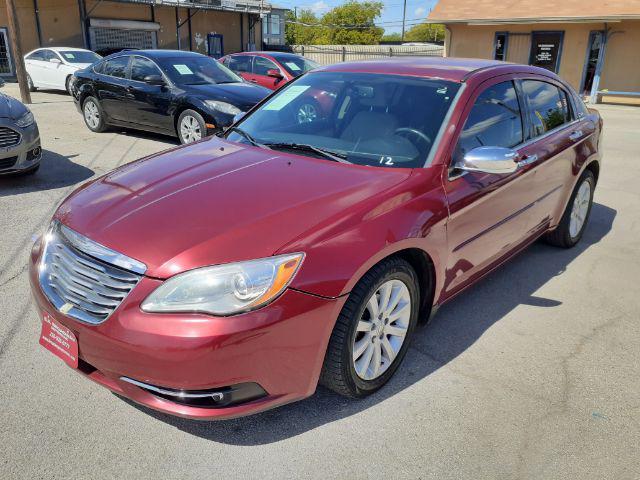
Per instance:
(443,126)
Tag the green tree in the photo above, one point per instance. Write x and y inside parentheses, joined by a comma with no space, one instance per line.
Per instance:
(352,14)
(297,32)
(425,32)
(392,37)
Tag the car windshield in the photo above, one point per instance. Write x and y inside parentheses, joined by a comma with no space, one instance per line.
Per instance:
(196,70)
(360,118)
(78,56)
(295,65)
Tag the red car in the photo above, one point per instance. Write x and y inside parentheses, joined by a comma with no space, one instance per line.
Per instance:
(232,275)
(269,69)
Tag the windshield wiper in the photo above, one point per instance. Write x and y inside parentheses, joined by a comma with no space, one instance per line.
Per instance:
(328,154)
(244,134)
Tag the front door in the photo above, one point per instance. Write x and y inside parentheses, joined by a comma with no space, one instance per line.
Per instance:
(112,87)
(487,212)
(149,104)
(261,68)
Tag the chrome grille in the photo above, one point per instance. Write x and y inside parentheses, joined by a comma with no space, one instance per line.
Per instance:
(8,137)
(81,285)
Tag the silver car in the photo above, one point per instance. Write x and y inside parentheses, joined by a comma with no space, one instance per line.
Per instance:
(20,151)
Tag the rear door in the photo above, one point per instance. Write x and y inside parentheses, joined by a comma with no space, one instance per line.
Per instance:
(487,212)
(149,104)
(556,134)
(111,87)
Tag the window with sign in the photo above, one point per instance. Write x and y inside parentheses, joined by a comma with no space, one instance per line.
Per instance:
(546,48)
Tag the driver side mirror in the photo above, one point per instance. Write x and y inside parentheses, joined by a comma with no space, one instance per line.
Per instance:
(495,160)
(275,73)
(154,80)
(55,60)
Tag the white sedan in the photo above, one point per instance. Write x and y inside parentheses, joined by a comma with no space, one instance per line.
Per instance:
(53,68)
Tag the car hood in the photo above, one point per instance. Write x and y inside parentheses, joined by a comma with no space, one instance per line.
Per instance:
(242,95)
(217,202)
(11,108)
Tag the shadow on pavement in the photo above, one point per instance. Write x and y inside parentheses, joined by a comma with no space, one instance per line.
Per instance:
(454,329)
(56,171)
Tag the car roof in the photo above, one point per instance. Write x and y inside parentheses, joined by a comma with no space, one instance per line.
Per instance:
(66,49)
(160,53)
(446,68)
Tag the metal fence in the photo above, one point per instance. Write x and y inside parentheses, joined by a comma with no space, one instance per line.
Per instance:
(328,54)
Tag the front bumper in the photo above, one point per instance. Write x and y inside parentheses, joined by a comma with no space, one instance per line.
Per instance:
(24,156)
(279,347)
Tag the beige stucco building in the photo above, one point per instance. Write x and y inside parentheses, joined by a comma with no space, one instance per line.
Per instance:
(593,45)
(207,26)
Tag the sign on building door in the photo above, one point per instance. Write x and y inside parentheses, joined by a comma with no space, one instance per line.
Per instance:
(545,50)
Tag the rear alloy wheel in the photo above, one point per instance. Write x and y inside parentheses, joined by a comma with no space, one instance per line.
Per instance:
(191,127)
(93,115)
(373,330)
(30,85)
(574,220)
(67,85)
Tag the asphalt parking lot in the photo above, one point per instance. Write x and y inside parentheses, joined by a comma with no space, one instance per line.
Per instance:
(534,373)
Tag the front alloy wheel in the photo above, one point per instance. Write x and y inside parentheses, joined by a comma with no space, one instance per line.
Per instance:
(381,329)
(372,332)
(190,130)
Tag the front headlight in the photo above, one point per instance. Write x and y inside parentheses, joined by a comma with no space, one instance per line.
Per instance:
(223,107)
(25,120)
(225,289)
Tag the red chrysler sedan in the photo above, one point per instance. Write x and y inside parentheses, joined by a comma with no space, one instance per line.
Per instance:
(268,69)
(232,275)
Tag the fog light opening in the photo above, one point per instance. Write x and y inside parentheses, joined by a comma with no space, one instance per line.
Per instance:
(214,398)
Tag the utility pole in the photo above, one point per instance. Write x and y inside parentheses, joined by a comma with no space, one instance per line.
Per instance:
(18,59)
(404,16)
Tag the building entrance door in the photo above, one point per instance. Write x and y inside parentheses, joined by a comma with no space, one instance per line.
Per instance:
(593,53)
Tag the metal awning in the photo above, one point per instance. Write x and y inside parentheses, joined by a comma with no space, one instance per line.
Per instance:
(247,6)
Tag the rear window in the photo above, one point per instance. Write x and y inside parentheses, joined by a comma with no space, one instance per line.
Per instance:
(548,106)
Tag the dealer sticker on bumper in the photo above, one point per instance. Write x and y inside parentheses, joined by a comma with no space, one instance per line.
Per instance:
(60,340)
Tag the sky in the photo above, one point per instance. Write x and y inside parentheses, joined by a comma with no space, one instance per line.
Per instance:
(390,20)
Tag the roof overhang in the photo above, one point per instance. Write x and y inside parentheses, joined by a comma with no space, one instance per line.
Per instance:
(531,20)
(248,6)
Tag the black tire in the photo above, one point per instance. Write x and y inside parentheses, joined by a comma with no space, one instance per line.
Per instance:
(31,86)
(338,372)
(67,85)
(561,235)
(198,118)
(101,125)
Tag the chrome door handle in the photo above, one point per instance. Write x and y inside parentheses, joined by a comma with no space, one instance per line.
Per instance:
(577,135)
(527,159)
